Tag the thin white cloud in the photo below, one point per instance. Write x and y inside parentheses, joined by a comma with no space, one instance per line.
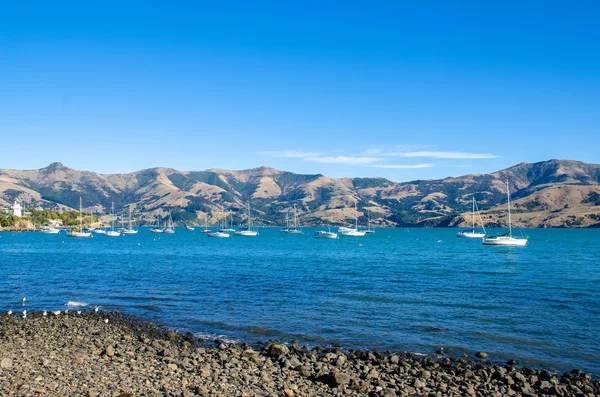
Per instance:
(402,166)
(442,155)
(344,160)
(374,151)
(292,154)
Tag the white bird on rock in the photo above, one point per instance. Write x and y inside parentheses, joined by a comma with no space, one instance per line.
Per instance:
(23,301)
(105,321)
(44,313)
(78,312)
(24,313)
(9,312)
(56,312)
(66,311)
(96,309)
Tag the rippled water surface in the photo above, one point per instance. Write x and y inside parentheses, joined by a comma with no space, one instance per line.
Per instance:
(416,289)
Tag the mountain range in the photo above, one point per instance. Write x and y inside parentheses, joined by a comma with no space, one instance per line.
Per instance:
(554,193)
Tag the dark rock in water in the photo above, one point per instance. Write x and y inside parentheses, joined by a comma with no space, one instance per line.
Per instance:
(481,355)
(512,363)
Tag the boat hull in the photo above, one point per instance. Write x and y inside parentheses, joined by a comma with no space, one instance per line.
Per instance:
(129,231)
(326,235)
(112,234)
(246,233)
(50,231)
(505,241)
(79,234)
(218,234)
(353,233)
(470,235)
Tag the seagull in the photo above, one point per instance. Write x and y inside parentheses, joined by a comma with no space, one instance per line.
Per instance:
(23,301)
(24,313)
(66,311)
(105,321)
(44,313)
(56,312)
(78,311)
(96,309)
(9,312)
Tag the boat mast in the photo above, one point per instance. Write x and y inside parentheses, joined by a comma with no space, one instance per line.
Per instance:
(473,213)
(356,215)
(80,216)
(509,220)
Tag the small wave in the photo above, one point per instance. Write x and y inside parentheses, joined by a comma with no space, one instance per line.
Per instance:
(213,337)
(76,304)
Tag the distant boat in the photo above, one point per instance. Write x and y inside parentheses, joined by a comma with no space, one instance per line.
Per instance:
(206,229)
(219,234)
(112,232)
(100,231)
(169,228)
(295,229)
(226,229)
(79,233)
(248,232)
(471,233)
(325,234)
(49,230)
(369,231)
(189,228)
(348,232)
(129,229)
(157,228)
(506,238)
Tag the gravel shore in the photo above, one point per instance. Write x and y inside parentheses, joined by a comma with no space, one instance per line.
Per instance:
(109,354)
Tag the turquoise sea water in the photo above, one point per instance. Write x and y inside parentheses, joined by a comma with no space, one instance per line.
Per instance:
(402,289)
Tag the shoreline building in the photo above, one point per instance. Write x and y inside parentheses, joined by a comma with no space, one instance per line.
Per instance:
(17,209)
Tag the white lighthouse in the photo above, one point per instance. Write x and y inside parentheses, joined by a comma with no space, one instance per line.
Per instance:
(17,209)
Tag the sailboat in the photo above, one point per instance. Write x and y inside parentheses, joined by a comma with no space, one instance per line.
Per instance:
(157,228)
(112,232)
(471,233)
(49,230)
(220,233)
(129,229)
(349,232)
(295,229)
(206,229)
(169,226)
(247,232)
(79,232)
(369,231)
(325,234)
(506,238)
(230,229)
(189,228)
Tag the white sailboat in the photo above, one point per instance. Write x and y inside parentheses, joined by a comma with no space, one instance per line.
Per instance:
(229,229)
(295,229)
(369,230)
(129,229)
(112,232)
(220,233)
(157,228)
(247,232)
(471,233)
(506,239)
(206,229)
(327,234)
(349,232)
(79,233)
(49,230)
(169,228)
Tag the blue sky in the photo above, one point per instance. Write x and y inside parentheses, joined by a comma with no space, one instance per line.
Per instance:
(403,90)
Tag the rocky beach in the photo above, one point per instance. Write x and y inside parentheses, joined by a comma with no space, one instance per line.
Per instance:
(110,354)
